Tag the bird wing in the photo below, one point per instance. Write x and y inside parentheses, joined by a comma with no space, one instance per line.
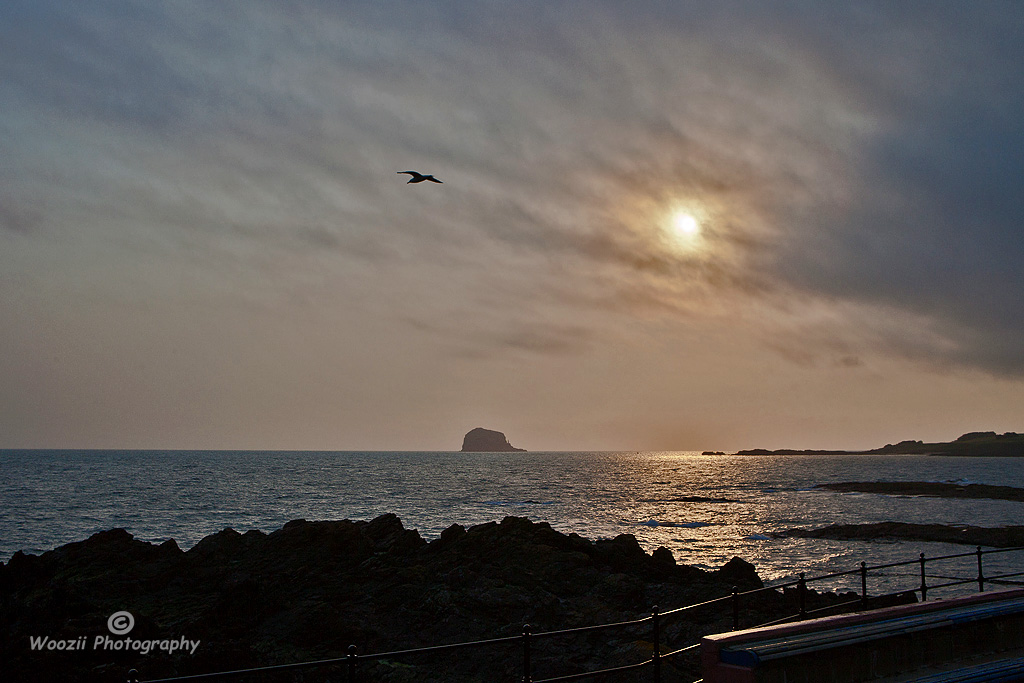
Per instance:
(414,174)
(431,179)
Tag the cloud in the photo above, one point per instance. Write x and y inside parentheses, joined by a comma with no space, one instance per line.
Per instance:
(934,227)
(544,339)
(861,159)
(17,217)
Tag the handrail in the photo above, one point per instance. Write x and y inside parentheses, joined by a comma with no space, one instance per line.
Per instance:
(699,604)
(132,675)
(681,650)
(441,648)
(584,629)
(352,658)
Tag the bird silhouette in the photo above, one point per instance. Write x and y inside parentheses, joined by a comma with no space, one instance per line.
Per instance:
(419,177)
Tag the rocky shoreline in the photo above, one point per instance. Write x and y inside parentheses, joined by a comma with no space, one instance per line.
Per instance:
(311,589)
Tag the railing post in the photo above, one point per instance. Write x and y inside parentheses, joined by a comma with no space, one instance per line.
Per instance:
(351,664)
(802,590)
(981,575)
(735,609)
(863,585)
(924,584)
(527,678)
(656,653)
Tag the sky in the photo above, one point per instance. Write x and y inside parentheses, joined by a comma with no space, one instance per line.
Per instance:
(205,241)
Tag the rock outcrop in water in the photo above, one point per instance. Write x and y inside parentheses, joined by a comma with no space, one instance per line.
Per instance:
(931,489)
(310,589)
(993,537)
(482,440)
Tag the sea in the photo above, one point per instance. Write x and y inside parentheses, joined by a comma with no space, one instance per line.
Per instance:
(706,509)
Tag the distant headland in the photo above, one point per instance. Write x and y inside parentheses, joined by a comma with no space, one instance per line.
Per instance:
(482,440)
(1010,444)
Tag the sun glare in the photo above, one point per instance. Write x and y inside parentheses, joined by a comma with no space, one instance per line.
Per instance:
(683,230)
(685,225)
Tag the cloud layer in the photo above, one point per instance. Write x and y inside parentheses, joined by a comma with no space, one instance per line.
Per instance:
(202,177)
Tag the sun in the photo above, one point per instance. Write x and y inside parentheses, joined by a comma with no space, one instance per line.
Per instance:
(685,225)
(685,229)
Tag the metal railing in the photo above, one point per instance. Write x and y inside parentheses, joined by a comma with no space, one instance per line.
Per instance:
(655,619)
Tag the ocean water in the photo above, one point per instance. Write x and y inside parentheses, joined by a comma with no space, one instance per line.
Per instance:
(705,509)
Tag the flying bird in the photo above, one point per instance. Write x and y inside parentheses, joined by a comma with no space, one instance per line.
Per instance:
(419,177)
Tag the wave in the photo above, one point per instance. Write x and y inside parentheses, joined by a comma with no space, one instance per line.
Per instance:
(518,502)
(679,525)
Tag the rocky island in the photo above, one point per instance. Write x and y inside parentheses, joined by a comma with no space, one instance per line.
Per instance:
(482,440)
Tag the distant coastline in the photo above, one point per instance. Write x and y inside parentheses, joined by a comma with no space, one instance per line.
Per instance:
(978,444)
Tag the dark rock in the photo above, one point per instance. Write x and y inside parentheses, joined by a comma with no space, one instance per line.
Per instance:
(450,535)
(928,488)
(740,573)
(225,544)
(997,537)
(169,547)
(482,440)
(310,589)
(663,555)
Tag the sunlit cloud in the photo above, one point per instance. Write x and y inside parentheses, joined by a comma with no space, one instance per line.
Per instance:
(852,172)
